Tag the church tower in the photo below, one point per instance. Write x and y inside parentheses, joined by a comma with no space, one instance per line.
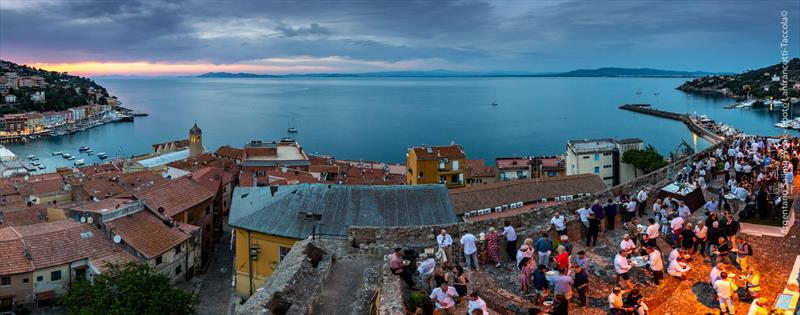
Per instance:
(195,141)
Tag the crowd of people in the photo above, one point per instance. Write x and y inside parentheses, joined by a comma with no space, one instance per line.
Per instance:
(552,276)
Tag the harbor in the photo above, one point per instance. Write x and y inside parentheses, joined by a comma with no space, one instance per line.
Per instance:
(700,125)
(32,131)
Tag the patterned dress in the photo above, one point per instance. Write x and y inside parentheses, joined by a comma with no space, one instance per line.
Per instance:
(494,253)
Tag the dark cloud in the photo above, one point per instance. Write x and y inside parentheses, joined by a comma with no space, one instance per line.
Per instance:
(464,34)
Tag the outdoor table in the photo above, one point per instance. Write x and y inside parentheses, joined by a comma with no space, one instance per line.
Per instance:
(693,199)
(638,263)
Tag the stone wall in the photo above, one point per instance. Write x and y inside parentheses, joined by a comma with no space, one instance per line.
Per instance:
(377,240)
(295,285)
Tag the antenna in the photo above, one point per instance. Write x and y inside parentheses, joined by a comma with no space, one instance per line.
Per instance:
(117,239)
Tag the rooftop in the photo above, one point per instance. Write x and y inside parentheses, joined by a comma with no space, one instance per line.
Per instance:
(437,152)
(146,233)
(164,159)
(524,190)
(508,163)
(294,211)
(175,196)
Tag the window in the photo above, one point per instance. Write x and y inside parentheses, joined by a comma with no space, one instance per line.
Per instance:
(607,166)
(442,179)
(420,174)
(39,278)
(520,174)
(455,165)
(178,270)
(208,209)
(190,216)
(158,260)
(177,250)
(597,156)
(283,251)
(441,164)
(55,275)
(25,280)
(80,273)
(597,170)
(5,281)
(585,156)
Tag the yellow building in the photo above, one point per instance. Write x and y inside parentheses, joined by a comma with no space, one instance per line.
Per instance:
(436,165)
(268,221)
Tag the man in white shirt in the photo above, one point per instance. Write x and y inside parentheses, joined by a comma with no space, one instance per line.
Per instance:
(560,223)
(425,269)
(758,307)
(476,303)
(630,212)
(656,264)
(676,224)
(584,214)
(511,240)
(725,290)
(741,196)
(713,276)
(470,250)
(642,198)
(443,297)
(445,242)
(653,229)
(627,245)
(615,303)
(683,210)
(622,266)
(678,268)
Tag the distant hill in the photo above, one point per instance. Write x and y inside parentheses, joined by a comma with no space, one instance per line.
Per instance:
(759,83)
(627,72)
(601,72)
(61,90)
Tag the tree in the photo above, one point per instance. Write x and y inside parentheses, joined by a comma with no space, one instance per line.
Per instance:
(647,160)
(134,288)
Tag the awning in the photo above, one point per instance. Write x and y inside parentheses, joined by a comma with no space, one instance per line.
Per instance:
(46,295)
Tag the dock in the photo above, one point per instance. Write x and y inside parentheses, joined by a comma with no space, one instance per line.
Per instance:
(693,124)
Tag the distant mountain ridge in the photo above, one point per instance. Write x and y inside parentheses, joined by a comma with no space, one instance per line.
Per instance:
(600,72)
(758,83)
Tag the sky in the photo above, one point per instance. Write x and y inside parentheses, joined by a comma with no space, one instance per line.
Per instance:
(179,37)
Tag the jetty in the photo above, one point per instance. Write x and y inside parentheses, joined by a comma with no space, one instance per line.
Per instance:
(712,132)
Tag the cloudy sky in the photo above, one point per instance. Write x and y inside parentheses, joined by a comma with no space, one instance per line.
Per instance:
(193,36)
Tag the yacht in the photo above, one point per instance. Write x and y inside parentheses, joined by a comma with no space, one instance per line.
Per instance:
(66,155)
(79,162)
(31,156)
(102,155)
(41,166)
(90,152)
(57,153)
(83,148)
(34,163)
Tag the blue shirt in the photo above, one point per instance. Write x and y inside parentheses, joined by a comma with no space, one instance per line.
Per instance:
(711,205)
(543,245)
(540,280)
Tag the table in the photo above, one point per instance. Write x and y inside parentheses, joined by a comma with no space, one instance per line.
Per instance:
(638,263)
(694,199)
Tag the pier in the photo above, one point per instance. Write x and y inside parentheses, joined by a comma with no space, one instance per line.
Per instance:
(694,125)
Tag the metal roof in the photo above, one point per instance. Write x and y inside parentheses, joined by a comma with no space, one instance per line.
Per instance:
(164,158)
(294,210)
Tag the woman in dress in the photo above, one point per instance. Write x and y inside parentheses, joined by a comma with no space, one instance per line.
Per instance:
(460,281)
(491,247)
(525,274)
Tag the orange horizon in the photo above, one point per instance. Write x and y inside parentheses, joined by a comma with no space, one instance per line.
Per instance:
(92,68)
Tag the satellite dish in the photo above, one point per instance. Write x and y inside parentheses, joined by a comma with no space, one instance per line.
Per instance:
(117,239)
(90,220)
(83,219)
(26,177)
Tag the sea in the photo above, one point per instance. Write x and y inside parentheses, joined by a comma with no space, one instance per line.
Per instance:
(377,119)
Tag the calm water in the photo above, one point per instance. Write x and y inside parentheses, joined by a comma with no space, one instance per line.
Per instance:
(378,118)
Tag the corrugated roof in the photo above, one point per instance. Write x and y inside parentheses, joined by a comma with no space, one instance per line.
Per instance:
(164,158)
(341,206)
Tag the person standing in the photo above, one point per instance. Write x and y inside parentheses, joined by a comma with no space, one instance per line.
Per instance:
(560,223)
(525,274)
(744,253)
(543,246)
(701,238)
(611,214)
(656,263)
(599,214)
(653,229)
(426,268)
(622,266)
(641,197)
(562,284)
(725,290)
(593,231)
(581,283)
(445,243)
(491,247)
(476,305)
(583,214)
(683,210)
(630,212)
(687,238)
(511,240)
(470,250)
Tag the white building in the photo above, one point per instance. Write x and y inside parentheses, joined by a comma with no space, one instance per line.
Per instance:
(602,157)
(38,96)
(10,98)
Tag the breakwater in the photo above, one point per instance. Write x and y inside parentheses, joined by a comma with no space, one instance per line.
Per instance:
(694,124)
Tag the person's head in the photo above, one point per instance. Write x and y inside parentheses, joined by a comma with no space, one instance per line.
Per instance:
(523,262)
(542,268)
(524,248)
(700,224)
(586,205)
(561,249)
(578,269)
(473,296)
(556,214)
(645,237)
(610,200)
(621,252)
(528,242)
(651,221)
(443,285)
(423,256)
(545,235)
(715,224)
(596,201)
(762,301)
(476,311)
(721,240)
(636,292)
(443,232)
(681,250)
(506,223)
(720,266)
(581,253)
(688,226)
(649,249)
(626,236)
(459,270)
(616,290)
(492,230)
(740,239)
(564,238)
(398,251)
(681,203)
(723,275)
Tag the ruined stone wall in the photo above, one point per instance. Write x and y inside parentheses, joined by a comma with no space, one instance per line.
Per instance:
(377,240)
(295,285)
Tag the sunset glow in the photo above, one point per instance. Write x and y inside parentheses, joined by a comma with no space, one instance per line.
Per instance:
(151,69)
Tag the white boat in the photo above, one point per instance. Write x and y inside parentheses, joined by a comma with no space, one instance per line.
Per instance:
(783,124)
(745,104)
(66,155)
(71,158)
(83,148)
(102,155)
(79,162)
(41,167)
(57,153)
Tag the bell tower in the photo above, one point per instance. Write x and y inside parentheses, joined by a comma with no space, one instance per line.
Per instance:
(195,141)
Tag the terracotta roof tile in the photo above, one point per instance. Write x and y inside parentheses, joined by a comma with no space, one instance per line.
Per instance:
(147,234)
(525,190)
(209,177)
(12,253)
(478,168)
(436,152)
(175,196)
(23,216)
(227,151)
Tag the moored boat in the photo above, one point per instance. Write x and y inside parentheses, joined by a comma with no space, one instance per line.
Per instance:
(102,155)
(79,162)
